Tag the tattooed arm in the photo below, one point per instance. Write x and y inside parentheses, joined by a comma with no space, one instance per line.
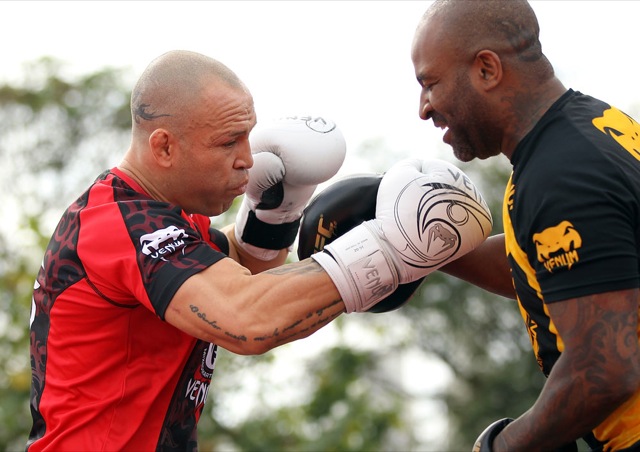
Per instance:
(598,371)
(251,314)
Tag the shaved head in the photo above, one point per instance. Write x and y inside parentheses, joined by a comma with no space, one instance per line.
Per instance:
(484,78)
(172,85)
(191,119)
(508,27)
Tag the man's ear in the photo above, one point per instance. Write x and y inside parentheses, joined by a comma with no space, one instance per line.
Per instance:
(159,143)
(487,70)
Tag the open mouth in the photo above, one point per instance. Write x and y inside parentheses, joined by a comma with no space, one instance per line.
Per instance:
(442,125)
(447,135)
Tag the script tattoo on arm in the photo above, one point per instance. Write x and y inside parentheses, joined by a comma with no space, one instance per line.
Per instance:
(310,322)
(313,320)
(213,323)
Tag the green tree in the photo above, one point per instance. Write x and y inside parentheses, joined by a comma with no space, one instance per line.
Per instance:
(53,135)
(349,389)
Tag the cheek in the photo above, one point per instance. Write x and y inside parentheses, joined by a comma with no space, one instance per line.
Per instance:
(209,162)
(445,100)
(463,106)
(198,178)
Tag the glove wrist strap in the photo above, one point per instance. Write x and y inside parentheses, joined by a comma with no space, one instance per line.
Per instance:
(360,267)
(269,236)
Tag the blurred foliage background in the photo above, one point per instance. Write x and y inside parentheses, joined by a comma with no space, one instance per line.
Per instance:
(427,377)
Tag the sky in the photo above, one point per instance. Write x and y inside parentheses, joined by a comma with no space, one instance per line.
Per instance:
(347,60)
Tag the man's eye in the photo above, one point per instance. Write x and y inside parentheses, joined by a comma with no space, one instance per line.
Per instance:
(425,84)
(229,144)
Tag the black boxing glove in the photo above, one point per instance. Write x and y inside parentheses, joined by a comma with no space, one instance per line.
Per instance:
(337,209)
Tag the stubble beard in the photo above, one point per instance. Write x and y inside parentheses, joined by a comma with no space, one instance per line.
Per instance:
(478,137)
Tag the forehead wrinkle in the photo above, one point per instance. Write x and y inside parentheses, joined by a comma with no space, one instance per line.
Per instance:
(222,101)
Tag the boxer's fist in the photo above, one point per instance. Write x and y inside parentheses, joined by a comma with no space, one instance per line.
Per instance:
(431,213)
(336,210)
(291,157)
(428,213)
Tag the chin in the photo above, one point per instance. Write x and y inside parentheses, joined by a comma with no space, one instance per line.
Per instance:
(222,209)
(464,155)
(209,211)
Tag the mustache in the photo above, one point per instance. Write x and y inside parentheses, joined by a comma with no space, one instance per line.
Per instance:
(436,118)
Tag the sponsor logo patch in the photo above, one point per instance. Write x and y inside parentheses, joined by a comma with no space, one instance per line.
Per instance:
(558,246)
(621,128)
(163,241)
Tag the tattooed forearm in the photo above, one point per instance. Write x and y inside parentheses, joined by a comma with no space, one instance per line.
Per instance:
(238,338)
(288,303)
(313,320)
(214,324)
(203,317)
(331,305)
(282,338)
(321,322)
(318,313)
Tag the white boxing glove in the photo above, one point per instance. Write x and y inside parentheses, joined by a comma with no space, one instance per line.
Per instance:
(428,213)
(291,157)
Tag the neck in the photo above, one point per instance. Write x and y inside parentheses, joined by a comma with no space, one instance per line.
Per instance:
(527,106)
(132,170)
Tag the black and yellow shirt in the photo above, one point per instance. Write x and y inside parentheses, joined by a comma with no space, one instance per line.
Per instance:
(571,217)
